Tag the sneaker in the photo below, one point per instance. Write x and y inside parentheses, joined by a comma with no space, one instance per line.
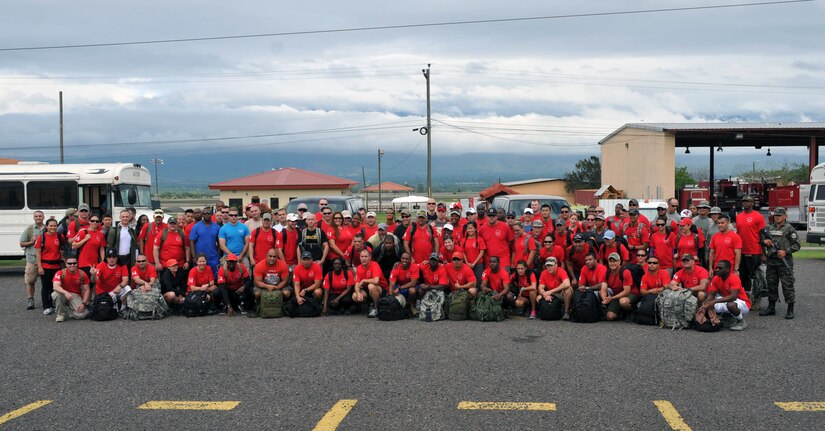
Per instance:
(241,309)
(60,318)
(48,311)
(373,312)
(566,316)
(532,314)
(222,311)
(739,325)
(30,303)
(727,320)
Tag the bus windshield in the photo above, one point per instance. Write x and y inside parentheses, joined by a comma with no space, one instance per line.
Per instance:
(127,195)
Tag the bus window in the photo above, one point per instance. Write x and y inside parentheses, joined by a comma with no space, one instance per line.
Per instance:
(812,193)
(51,194)
(820,192)
(11,195)
(127,195)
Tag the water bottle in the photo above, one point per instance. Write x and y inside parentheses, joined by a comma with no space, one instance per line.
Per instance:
(428,316)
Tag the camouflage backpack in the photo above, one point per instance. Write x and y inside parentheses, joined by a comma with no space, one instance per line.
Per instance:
(432,306)
(677,308)
(145,305)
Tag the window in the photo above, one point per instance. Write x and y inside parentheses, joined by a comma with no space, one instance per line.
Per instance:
(273,203)
(11,195)
(812,193)
(820,193)
(237,204)
(52,194)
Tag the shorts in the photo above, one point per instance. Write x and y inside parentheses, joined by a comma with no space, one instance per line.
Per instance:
(406,292)
(30,276)
(526,293)
(614,307)
(722,307)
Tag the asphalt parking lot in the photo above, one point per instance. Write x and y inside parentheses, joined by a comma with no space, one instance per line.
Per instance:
(355,373)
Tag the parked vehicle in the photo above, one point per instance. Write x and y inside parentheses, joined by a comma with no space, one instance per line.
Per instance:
(518,203)
(816,206)
(336,203)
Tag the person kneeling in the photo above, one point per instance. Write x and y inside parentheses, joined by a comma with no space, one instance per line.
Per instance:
(338,287)
(201,279)
(71,293)
(554,285)
(496,280)
(616,293)
(235,286)
(271,274)
(404,280)
(369,280)
(727,296)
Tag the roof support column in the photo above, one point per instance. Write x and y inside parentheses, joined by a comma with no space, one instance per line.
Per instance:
(711,187)
(813,154)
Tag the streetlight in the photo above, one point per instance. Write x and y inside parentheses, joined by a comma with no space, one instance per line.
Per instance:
(157,162)
(426,73)
(380,154)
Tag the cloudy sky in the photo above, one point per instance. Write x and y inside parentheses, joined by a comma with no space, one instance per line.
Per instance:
(551,85)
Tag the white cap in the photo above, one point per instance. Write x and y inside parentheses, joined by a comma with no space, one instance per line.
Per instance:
(371,214)
(292,217)
(448,226)
(471,210)
(528,210)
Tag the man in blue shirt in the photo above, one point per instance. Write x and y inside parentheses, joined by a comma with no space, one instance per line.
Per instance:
(203,238)
(234,238)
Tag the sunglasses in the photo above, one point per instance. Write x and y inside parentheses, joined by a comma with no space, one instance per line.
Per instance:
(456,259)
(405,216)
(94,221)
(641,255)
(511,217)
(548,242)
(83,211)
(591,219)
(233,215)
(71,263)
(326,213)
(660,224)
(652,263)
(224,212)
(141,261)
(301,209)
(565,212)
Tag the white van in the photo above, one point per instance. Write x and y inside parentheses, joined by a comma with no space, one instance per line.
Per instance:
(816,206)
(29,186)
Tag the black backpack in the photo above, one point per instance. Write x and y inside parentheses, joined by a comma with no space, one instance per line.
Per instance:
(310,308)
(390,309)
(636,271)
(647,314)
(195,304)
(550,310)
(104,308)
(586,307)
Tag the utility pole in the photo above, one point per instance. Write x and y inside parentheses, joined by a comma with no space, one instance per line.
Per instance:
(380,153)
(429,137)
(157,162)
(61,127)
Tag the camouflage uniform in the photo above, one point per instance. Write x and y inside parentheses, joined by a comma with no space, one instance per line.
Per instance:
(785,238)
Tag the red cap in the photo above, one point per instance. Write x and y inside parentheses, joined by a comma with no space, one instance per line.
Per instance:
(171,262)
(686,222)
(231,256)
(458,254)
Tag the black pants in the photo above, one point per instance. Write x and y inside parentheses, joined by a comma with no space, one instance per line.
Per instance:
(233,298)
(173,283)
(747,265)
(47,286)
(345,303)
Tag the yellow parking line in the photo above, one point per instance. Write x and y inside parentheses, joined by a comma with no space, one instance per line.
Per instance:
(472,405)
(813,406)
(23,410)
(671,415)
(335,415)
(189,405)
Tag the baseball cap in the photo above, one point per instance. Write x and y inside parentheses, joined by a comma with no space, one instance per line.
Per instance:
(703,204)
(171,262)
(538,223)
(306,255)
(528,210)
(550,261)
(471,210)
(685,213)
(267,216)
(448,226)
(686,222)
(382,226)
(302,206)
(578,237)
(747,198)
(371,214)
(492,212)
(441,206)
(158,212)
(598,216)
(347,214)
(456,205)
(71,211)
(609,234)
(715,210)
(456,212)
(292,217)
(661,205)
(633,212)
(511,213)
(614,256)
(231,256)
(421,213)
(559,222)
(83,207)
(633,202)
(111,253)
(403,212)
(458,254)
(779,211)
(172,220)
(687,256)
(434,256)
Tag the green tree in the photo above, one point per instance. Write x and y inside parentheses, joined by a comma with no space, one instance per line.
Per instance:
(683,177)
(587,175)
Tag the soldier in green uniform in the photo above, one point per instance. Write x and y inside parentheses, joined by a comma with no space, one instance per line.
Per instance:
(779,241)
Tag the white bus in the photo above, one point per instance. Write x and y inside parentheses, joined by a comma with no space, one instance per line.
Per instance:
(816,206)
(29,186)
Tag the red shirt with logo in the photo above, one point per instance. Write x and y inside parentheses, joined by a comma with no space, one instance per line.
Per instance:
(592,277)
(71,283)
(148,233)
(748,226)
(173,248)
(724,246)
(434,277)
(724,287)
(556,252)
(271,274)
(198,278)
(495,280)
(687,244)
(637,234)
(50,251)
(522,250)
(663,248)
(473,247)
(550,280)
(338,283)
(422,244)
(654,281)
(290,248)
(372,270)
(400,276)
(691,279)
(233,280)
(262,241)
(90,251)
(109,278)
(498,238)
(461,276)
(617,283)
(147,274)
(307,276)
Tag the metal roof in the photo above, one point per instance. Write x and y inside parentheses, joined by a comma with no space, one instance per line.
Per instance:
(388,186)
(818,127)
(534,180)
(285,179)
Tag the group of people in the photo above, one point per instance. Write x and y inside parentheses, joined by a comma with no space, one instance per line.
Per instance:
(348,260)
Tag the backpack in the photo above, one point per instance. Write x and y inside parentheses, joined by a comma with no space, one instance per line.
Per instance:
(677,308)
(310,308)
(104,308)
(195,304)
(536,260)
(412,236)
(646,313)
(486,309)
(553,310)
(60,247)
(145,305)
(390,309)
(432,306)
(457,306)
(636,271)
(271,304)
(75,252)
(706,320)
(586,307)
(166,233)
(699,246)
(329,279)
(313,247)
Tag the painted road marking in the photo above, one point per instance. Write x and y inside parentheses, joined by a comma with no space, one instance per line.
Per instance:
(23,410)
(472,405)
(813,406)
(671,415)
(335,415)
(189,405)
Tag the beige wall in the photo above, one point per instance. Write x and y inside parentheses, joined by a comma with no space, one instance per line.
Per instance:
(554,188)
(640,162)
(283,196)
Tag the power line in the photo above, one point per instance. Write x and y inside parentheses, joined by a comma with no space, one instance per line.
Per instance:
(402,26)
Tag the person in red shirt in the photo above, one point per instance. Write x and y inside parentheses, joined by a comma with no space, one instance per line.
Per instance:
(353,254)
(270,274)
(634,204)
(171,243)
(727,296)
(593,275)
(662,244)
(725,245)
(554,285)
(654,279)
(433,276)
(82,222)
(615,293)
(92,245)
(338,237)
(498,237)
(148,233)
(749,224)
(636,232)
(460,275)
(143,275)
(448,249)
(111,278)
(71,293)
(338,286)
(562,235)
(524,246)
(458,224)
(306,279)
(474,248)
(286,243)
(610,246)
(421,240)
(47,253)
(390,222)
(691,276)
(201,278)
(404,281)
(370,278)
(550,249)
(497,281)
(261,240)
(686,242)
(370,225)
(524,281)
(234,286)
(576,255)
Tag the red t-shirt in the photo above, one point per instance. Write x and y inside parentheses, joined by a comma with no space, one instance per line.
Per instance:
(51,251)
(637,234)
(724,287)
(71,283)
(551,281)
(576,258)
(434,278)
(446,255)
(372,270)
(462,276)
(687,244)
(617,247)
(90,251)
(495,280)
(338,283)
(233,280)
(617,283)
(173,248)
(199,278)
(369,231)
(663,248)
(562,239)
(109,278)
(522,250)
(271,274)
(498,238)
(592,277)
(748,226)
(343,240)
(724,246)
(422,244)
(307,276)
(473,247)
(400,276)
(290,248)
(149,235)
(692,278)
(146,275)
(74,228)
(524,281)
(557,252)
(262,241)
(188,229)
(654,281)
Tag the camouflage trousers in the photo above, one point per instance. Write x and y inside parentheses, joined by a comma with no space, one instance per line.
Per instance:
(776,273)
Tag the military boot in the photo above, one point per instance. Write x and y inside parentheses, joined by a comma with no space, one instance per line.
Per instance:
(770,311)
(789,314)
